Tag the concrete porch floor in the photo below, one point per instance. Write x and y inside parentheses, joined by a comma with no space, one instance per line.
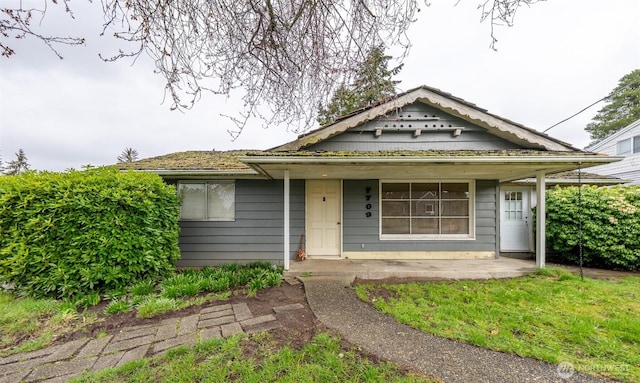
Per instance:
(426,269)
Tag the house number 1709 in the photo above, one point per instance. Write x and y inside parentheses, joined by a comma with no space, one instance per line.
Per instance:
(367,197)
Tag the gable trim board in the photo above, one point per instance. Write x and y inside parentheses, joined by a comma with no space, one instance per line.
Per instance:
(457,107)
(273,207)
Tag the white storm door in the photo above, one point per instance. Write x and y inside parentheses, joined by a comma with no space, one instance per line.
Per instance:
(516,219)
(323,218)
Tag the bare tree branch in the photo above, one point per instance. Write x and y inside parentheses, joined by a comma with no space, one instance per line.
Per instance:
(285,57)
(501,13)
(16,23)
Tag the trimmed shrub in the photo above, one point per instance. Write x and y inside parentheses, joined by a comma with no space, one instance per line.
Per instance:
(610,226)
(68,234)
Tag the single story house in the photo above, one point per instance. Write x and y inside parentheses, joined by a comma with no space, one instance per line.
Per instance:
(417,176)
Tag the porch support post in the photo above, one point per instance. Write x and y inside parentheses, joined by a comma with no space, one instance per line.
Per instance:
(541,233)
(286,219)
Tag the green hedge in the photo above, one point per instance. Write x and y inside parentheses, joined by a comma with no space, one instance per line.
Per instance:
(67,234)
(610,226)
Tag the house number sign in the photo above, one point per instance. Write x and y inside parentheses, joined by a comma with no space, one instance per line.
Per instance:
(367,196)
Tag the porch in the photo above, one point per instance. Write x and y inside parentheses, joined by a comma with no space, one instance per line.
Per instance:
(421,269)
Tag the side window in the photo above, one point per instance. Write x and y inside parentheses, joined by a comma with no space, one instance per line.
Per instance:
(207,201)
(624,147)
(636,144)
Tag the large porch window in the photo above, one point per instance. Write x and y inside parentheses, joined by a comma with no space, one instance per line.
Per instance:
(426,210)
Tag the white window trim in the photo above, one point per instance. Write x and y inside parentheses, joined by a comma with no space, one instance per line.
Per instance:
(207,219)
(431,237)
(626,140)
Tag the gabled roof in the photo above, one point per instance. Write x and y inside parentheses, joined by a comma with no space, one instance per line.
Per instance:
(501,127)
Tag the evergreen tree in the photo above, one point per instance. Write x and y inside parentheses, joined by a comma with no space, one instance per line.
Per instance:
(373,83)
(128,155)
(19,165)
(623,108)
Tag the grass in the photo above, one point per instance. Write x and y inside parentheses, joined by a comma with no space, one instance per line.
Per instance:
(257,359)
(27,324)
(552,316)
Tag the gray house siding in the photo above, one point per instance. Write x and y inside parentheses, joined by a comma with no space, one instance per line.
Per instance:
(398,132)
(361,233)
(255,235)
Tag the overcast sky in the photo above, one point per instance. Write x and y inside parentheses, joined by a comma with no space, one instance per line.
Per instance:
(560,56)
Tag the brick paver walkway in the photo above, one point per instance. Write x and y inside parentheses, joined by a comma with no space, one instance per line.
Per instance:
(65,361)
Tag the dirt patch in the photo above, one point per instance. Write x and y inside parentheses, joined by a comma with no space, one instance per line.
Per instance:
(299,326)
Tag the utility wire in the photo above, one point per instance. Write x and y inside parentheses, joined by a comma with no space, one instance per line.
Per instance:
(568,118)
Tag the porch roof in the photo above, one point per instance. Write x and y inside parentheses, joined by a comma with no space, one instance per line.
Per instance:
(503,165)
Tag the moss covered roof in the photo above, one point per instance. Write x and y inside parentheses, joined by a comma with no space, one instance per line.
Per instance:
(229,161)
(421,153)
(192,160)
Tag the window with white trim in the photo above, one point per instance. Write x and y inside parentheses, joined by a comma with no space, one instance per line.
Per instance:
(624,147)
(426,210)
(207,201)
(628,146)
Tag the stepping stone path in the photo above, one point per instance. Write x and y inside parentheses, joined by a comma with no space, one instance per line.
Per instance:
(65,361)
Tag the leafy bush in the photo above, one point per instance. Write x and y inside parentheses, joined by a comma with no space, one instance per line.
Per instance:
(610,226)
(68,234)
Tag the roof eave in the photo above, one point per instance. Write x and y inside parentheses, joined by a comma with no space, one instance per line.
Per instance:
(200,173)
(584,159)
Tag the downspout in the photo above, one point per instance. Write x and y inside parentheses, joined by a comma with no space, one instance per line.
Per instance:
(287,219)
(541,220)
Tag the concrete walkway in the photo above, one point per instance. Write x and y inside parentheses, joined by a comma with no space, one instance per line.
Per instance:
(335,304)
(65,361)
(435,268)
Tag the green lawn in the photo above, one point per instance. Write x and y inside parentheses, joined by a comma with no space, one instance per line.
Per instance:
(257,359)
(552,316)
(27,324)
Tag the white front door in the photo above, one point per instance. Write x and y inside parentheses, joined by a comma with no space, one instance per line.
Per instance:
(516,219)
(323,218)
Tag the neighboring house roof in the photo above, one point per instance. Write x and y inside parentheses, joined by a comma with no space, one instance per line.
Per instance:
(629,167)
(496,125)
(596,146)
